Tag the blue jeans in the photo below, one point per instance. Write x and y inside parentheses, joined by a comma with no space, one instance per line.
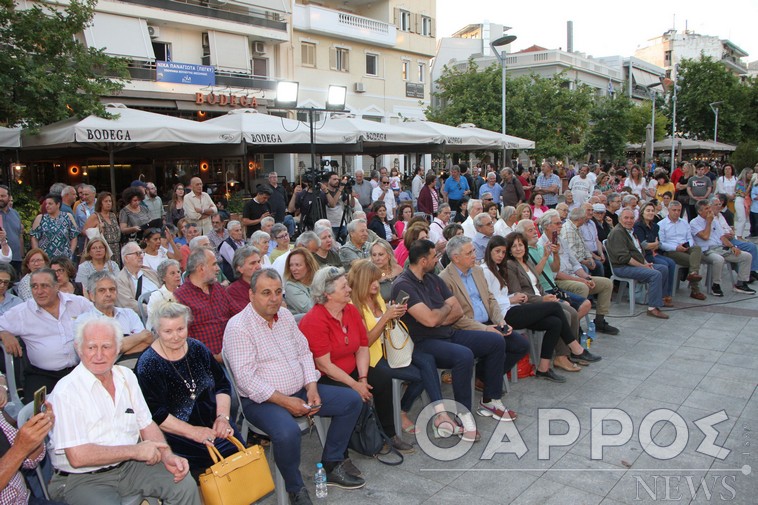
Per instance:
(343,405)
(750,248)
(458,353)
(670,264)
(655,278)
(289,222)
(421,374)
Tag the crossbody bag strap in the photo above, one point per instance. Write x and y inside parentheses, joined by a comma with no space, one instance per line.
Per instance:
(549,281)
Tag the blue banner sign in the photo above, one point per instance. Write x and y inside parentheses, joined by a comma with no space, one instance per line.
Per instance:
(184,73)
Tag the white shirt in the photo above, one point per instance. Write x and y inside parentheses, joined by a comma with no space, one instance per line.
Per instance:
(126,318)
(147,284)
(500,294)
(581,188)
(416,185)
(726,186)
(468,228)
(85,413)
(226,251)
(152,261)
(435,230)
(673,234)
(49,341)
(637,189)
(502,229)
(389,201)
(714,240)
(280,262)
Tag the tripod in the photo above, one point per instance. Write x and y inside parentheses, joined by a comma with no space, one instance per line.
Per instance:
(347,216)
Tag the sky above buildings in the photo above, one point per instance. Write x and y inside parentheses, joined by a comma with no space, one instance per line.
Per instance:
(605,28)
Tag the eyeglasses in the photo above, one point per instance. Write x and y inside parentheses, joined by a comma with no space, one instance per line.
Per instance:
(5,282)
(37,260)
(281,236)
(57,270)
(385,182)
(138,253)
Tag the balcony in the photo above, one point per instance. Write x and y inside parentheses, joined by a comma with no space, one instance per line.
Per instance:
(561,59)
(216,10)
(735,65)
(344,25)
(145,71)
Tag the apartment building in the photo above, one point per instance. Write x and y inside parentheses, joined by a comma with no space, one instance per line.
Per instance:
(672,47)
(380,50)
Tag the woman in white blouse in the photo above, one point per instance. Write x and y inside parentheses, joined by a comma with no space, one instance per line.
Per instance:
(170,274)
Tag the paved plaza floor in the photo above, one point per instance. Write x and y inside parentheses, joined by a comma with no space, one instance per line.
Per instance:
(700,366)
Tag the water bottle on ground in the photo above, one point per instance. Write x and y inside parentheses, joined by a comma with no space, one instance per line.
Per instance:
(320,481)
(591,330)
(583,340)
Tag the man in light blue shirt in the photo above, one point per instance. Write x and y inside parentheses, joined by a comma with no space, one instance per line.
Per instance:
(491,187)
(456,187)
(548,185)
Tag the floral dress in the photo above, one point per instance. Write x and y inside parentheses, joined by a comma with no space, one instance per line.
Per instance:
(112,235)
(54,235)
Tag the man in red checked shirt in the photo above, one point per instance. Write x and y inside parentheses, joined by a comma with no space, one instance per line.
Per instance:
(210,305)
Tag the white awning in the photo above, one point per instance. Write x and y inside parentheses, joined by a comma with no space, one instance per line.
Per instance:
(643,78)
(120,36)
(229,52)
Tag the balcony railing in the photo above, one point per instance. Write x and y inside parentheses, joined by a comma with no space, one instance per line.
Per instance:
(561,58)
(145,71)
(237,14)
(312,18)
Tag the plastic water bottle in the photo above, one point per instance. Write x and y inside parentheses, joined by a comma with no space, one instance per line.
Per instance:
(583,340)
(320,481)
(591,330)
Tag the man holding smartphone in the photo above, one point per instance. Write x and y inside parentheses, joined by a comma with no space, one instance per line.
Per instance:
(678,244)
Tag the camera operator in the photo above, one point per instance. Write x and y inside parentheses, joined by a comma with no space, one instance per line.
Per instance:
(338,194)
(309,201)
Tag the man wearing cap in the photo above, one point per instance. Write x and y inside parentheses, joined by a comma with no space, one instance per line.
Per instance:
(256,209)
(199,207)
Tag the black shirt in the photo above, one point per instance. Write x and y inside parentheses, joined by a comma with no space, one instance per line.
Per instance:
(432,292)
(278,203)
(254,210)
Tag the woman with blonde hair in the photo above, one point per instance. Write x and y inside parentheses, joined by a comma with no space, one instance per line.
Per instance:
(95,259)
(383,256)
(299,270)
(524,211)
(364,278)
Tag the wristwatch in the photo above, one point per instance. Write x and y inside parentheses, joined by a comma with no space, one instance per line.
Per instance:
(222,415)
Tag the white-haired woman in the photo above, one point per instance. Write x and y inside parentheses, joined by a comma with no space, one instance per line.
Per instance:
(186,389)
(170,274)
(260,240)
(325,256)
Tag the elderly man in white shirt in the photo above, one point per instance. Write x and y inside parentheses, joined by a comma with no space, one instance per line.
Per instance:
(198,206)
(105,445)
(439,223)
(717,248)
(46,325)
(678,244)
(474,209)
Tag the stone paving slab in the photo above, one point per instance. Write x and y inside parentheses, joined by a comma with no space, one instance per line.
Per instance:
(701,361)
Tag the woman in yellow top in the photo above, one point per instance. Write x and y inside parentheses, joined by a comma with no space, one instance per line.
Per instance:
(421,374)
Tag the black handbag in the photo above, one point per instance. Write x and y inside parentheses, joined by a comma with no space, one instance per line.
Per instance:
(368,437)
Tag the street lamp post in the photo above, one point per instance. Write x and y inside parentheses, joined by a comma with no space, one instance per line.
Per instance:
(651,89)
(502,41)
(286,99)
(715,109)
(673,118)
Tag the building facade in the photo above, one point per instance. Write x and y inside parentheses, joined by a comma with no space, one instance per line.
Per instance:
(672,47)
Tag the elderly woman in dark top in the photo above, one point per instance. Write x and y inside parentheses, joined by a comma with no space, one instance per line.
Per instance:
(246,261)
(325,255)
(186,389)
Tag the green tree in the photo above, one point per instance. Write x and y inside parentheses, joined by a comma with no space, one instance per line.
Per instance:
(750,110)
(703,82)
(745,156)
(641,116)
(47,74)
(609,126)
(549,110)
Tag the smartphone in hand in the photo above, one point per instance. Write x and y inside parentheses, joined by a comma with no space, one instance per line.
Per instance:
(40,397)
(402,298)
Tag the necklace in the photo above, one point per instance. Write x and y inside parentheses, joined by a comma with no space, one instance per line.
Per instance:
(191,386)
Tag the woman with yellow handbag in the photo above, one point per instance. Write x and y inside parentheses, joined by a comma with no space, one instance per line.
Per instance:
(387,334)
(186,390)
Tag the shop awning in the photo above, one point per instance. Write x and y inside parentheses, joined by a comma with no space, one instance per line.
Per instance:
(642,78)
(229,52)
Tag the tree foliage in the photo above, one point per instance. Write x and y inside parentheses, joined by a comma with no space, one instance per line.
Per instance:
(609,126)
(640,117)
(701,83)
(549,110)
(745,156)
(47,74)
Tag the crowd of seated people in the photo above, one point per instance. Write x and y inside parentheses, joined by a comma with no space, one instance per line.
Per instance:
(126,304)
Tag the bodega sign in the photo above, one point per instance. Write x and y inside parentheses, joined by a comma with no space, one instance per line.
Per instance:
(107,134)
(225,100)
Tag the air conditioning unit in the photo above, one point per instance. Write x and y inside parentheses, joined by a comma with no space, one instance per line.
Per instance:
(360,87)
(259,47)
(154,31)
(206,41)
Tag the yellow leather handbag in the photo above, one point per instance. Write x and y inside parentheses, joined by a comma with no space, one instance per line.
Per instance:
(240,479)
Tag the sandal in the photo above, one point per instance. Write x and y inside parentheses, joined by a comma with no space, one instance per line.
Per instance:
(444,427)
(411,430)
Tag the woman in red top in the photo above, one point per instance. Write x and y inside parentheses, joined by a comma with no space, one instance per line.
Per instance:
(338,340)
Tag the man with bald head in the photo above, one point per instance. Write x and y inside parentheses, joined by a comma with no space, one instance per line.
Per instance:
(198,206)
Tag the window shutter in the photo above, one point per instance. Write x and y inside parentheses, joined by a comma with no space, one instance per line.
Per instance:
(415,22)
(397,17)
(333,58)
(431,27)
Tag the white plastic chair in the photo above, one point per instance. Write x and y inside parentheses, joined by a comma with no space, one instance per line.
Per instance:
(14,402)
